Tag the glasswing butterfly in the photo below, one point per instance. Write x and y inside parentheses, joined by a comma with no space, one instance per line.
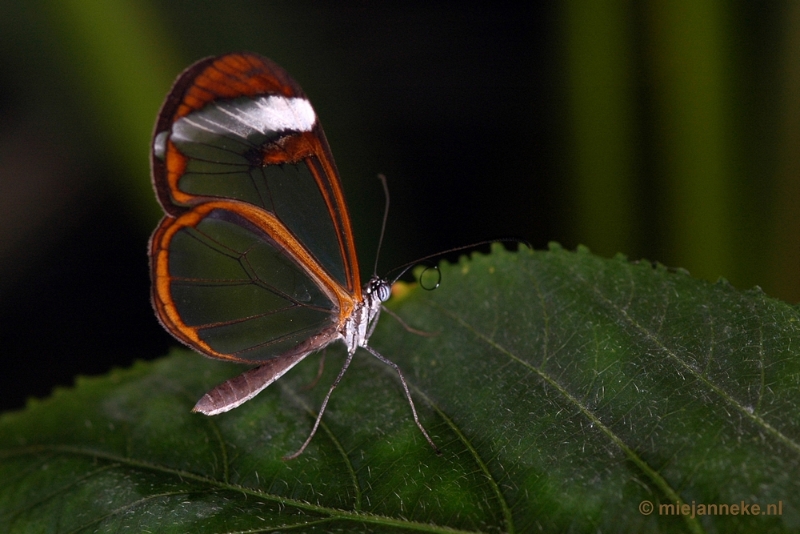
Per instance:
(254,261)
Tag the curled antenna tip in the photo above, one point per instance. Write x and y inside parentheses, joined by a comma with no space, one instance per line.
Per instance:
(405,267)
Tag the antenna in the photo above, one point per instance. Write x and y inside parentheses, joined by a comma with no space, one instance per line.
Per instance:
(382,178)
(405,267)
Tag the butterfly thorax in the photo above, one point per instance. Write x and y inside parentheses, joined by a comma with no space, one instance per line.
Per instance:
(359,325)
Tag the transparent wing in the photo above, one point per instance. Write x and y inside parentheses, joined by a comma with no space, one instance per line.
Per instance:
(238,127)
(230,283)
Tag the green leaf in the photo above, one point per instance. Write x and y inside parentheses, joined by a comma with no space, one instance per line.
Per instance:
(563,389)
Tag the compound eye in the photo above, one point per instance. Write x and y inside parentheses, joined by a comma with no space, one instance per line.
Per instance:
(382,290)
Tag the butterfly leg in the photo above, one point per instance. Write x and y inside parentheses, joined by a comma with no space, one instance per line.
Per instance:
(406,326)
(322,409)
(321,368)
(394,366)
(374,322)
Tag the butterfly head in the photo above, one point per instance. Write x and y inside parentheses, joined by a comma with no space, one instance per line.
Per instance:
(378,288)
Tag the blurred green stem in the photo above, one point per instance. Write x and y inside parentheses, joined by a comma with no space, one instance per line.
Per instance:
(783,276)
(691,88)
(122,57)
(598,44)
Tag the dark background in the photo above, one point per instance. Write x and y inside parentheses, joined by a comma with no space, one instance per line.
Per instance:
(663,130)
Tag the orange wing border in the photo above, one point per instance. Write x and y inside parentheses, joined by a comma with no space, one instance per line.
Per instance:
(248,74)
(165,306)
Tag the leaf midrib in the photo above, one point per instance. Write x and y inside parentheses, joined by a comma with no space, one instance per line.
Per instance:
(728,398)
(647,470)
(331,513)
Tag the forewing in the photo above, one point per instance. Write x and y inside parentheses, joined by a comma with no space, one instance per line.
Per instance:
(238,127)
